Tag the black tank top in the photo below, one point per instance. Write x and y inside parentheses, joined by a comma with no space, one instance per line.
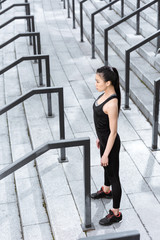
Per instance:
(101,119)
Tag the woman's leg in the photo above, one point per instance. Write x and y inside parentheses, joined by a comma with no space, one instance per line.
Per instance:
(113,175)
(106,179)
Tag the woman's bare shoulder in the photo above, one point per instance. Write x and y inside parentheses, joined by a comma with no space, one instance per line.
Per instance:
(111,105)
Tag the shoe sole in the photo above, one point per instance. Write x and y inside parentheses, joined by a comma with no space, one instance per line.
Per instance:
(111,223)
(102,197)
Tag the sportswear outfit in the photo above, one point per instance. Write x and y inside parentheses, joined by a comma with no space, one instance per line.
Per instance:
(111,172)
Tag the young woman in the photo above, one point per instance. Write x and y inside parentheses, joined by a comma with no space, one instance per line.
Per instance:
(106,109)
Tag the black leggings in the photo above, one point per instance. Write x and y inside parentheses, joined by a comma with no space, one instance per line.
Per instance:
(111,172)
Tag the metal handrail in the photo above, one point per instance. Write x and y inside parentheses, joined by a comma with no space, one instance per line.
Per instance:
(28,34)
(27,7)
(155,114)
(68,10)
(127,64)
(81,19)
(119,22)
(33,57)
(47,90)
(93,24)
(128,235)
(1,3)
(73,13)
(28,18)
(85,142)
(64,3)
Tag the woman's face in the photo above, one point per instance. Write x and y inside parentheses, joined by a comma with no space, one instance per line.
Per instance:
(101,85)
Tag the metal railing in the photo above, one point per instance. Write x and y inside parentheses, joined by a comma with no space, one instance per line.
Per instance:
(81,19)
(121,21)
(26,5)
(73,13)
(64,4)
(36,49)
(47,91)
(68,9)
(93,22)
(34,57)
(2,1)
(85,142)
(127,65)
(28,18)
(155,114)
(27,8)
(129,235)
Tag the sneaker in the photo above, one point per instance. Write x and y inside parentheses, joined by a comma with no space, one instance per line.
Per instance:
(110,219)
(101,194)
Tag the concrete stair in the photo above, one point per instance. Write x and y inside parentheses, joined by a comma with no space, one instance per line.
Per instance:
(44,200)
(145,65)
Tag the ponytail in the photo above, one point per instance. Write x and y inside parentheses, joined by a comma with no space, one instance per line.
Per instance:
(117,87)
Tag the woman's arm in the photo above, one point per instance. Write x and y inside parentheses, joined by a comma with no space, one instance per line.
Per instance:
(112,110)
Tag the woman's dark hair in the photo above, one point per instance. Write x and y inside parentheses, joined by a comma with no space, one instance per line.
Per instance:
(111,74)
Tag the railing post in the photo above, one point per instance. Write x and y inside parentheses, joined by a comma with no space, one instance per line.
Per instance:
(158,23)
(81,20)
(87,187)
(68,9)
(29,25)
(48,85)
(122,8)
(28,13)
(73,9)
(138,18)
(106,47)
(33,30)
(62,126)
(64,4)
(110,8)
(155,115)
(127,66)
(92,36)
(39,60)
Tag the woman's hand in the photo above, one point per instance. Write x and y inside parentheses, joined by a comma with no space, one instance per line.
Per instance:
(104,161)
(98,143)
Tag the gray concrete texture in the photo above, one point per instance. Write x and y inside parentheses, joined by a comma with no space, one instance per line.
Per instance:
(45,198)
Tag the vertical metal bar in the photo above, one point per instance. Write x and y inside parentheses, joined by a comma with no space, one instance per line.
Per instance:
(93,36)
(87,185)
(73,9)
(122,8)
(138,18)
(64,4)
(110,8)
(27,13)
(49,100)
(106,47)
(34,37)
(29,25)
(61,124)
(0,5)
(81,21)
(68,9)
(127,66)
(158,24)
(155,115)
(39,60)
